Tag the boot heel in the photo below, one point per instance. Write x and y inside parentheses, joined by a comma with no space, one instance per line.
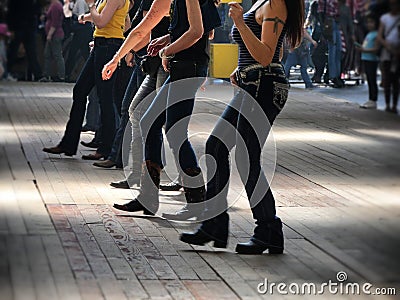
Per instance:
(275,250)
(220,244)
(147,212)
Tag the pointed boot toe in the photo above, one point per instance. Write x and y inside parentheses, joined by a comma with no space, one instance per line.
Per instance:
(252,247)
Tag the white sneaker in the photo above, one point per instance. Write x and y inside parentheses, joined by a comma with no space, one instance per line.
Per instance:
(369,104)
(10,78)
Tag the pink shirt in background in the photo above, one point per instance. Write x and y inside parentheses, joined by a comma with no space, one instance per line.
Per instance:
(55,18)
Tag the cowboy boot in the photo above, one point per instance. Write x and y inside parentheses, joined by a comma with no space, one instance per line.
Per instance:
(267,235)
(147,200)
(195,192)
(215,229)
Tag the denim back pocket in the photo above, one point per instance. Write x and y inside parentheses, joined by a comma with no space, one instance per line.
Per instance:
(280,94)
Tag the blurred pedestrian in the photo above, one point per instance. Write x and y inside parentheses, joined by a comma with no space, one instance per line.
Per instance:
(67,22)
(22,19)
(370,60)
(299,56)
(329,15)
(318,53)
(82,34)
(388,36)
(4,35)
(348,37)
(54,38)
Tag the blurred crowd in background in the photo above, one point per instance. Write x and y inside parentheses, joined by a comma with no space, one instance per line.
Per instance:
(28,51)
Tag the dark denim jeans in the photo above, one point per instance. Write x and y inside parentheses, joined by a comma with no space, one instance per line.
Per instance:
(90,76)
(93,111)
(173,107)
(135,81)
(83,34)
(245,123)
(335,52)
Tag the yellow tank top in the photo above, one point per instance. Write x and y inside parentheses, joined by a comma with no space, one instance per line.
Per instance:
(114,28)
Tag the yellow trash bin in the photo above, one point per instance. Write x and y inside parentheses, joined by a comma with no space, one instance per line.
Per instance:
(223,60)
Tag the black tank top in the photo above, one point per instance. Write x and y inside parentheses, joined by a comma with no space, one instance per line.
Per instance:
(245,58)
(199,51)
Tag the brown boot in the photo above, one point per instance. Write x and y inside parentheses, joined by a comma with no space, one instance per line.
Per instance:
(147,200)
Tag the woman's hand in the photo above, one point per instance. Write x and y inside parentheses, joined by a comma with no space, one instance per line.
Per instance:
(165,64)
(109,68)
(236,13)
(233,78)
(157,44)
(129,59)
(314,43)
(91,45)
(81,19)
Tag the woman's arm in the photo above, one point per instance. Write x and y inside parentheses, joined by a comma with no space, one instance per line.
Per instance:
(308,37)
(380,38)
(193,34)
(102,19)
(157,11)
(129,57)
(261,50)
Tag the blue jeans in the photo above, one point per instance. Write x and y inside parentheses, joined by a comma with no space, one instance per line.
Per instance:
(167,109)
(90,76)
(335,52)
(245,123)
(293,59)
(130,92)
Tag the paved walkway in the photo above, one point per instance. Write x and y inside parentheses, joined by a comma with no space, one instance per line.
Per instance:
(352,92)
(337,185)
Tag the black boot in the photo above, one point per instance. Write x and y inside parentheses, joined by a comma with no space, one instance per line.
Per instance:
(150,183)
(266,236)
(215,230)
(172,186)
(195,193)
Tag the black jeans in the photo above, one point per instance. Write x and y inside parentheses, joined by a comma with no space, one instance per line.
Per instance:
(173,107)
(245,123)
(90,76)
(83,34)
(371,68)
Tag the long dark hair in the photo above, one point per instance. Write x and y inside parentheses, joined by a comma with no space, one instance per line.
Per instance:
(294,21)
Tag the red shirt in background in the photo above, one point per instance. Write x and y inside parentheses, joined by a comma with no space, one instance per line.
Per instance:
(55,18)
(332,7)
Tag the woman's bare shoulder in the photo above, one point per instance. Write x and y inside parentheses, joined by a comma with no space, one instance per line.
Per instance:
(275,6)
